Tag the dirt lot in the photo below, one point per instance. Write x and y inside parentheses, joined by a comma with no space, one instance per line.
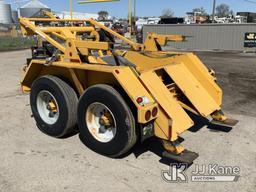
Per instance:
(31,161)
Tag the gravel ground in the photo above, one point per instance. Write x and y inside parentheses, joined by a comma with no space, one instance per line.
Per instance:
(32,161)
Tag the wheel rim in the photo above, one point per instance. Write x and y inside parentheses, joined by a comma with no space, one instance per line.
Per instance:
(101,122)
(47,107)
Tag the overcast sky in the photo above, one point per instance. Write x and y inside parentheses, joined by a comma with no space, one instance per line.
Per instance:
(149,7)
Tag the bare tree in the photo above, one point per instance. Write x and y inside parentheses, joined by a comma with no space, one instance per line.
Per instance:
(167,13)
(223,10)
(200,10)
(103,15)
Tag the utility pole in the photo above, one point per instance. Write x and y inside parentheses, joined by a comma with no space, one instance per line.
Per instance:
(130,9)
(134,11)
(213,10)
(71,9)
(130,17)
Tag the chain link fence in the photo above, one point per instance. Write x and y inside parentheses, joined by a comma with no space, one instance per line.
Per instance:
(12,39)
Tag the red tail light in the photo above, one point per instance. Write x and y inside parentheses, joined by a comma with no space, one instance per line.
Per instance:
(142,100)
(139,100)
(148,115)
(154,111)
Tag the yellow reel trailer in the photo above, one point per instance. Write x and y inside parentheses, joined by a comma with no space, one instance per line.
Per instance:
(77,76)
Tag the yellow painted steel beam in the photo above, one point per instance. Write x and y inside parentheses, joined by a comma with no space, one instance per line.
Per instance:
(60,29)
(28,25)
(59,35)
(76,81)
(130,82)
(201,73)
(179,119)
(56,20)
(153,40)
(193,90)
(135,46)
(92,45)
(49,14)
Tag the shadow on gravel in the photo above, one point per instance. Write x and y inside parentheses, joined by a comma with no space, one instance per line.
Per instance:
(71,134)
(154,145)
(201,122)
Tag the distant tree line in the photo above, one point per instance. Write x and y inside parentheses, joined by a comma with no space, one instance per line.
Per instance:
(222,10)
(103,15)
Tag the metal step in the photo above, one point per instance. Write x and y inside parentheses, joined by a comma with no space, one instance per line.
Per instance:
(227,122)
(185,157)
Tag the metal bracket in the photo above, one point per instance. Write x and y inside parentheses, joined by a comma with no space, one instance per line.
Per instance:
(220,119)
(147,131)
(53,58)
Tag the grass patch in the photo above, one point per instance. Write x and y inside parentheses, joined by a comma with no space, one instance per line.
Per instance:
(15,43)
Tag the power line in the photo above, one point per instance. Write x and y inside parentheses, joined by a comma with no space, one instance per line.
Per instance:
(213,10)
(250,1)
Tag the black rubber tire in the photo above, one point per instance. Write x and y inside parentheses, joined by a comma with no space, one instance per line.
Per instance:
(67,101)
(125,137)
